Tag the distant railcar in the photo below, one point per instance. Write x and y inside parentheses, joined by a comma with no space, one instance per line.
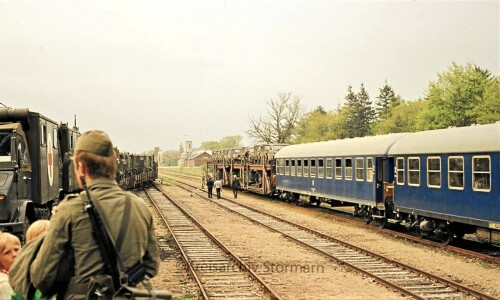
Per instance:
(136,170)
(254,166)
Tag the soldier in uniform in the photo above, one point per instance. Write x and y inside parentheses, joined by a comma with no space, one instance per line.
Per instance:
(126,216)
(235,185)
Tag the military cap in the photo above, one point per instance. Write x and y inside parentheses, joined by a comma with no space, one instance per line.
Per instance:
(96,142)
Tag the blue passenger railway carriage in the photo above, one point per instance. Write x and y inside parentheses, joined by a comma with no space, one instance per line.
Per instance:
(443,183)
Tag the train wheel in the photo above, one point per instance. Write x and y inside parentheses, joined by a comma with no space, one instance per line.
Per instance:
(446,238)
(382,222)
(367,218)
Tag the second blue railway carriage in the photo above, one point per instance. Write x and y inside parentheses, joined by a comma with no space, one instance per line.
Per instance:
(444,183)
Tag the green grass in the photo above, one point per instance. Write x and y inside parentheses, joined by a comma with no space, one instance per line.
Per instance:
(196,170)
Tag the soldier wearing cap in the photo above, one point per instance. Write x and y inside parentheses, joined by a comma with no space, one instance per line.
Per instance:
(235,186)
(126,216)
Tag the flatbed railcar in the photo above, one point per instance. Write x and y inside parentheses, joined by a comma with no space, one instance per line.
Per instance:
(443,183)
(135,171)
(254,166)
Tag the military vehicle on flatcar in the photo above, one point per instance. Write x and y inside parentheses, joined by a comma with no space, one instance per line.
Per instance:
(36,170)
(33,175)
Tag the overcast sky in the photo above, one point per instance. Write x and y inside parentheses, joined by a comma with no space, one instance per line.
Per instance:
(157,73)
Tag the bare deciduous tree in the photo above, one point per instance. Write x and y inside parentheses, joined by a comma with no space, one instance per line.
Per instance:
(282,117)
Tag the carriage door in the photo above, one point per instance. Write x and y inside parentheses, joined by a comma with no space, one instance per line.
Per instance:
(379,179)
(385,180)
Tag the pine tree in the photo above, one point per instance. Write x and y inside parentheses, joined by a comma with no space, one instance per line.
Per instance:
(386,100)
(366,113)
(359,113)
(351,117)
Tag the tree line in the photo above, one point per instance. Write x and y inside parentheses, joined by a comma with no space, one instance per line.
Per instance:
(460,96)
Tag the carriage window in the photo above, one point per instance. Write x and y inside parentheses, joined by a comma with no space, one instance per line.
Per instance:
(321,168)
(360,169)
(329,168)
(414,171)
(306,168)
(434,172)
(287,167)
(456,173)
(481,173)
(338,168)
(369,169)
(348,168)
(292,167)
(299,167)
(281,167)
(400,170)
(313,168)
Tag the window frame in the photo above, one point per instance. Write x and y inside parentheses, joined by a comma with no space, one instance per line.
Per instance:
(359,170)
(410,171)
(321,167)
(474,188)
(54,138)
(400,171)
(300,168)
(312,168)
(456,172)
(329,169)
(338,168)
(43,132)
(433,171)
(348,168)
(369,169)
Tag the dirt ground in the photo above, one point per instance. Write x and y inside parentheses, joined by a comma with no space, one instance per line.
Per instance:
(270,254)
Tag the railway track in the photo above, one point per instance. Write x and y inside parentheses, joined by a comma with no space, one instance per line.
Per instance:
(467,247)
(395,275)
(219,273)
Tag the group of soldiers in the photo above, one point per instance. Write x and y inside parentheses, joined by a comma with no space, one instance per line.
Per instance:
(235,185)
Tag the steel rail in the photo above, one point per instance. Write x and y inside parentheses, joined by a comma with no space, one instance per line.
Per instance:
(459,287)
(240,262)
(181,250)
(392,233)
